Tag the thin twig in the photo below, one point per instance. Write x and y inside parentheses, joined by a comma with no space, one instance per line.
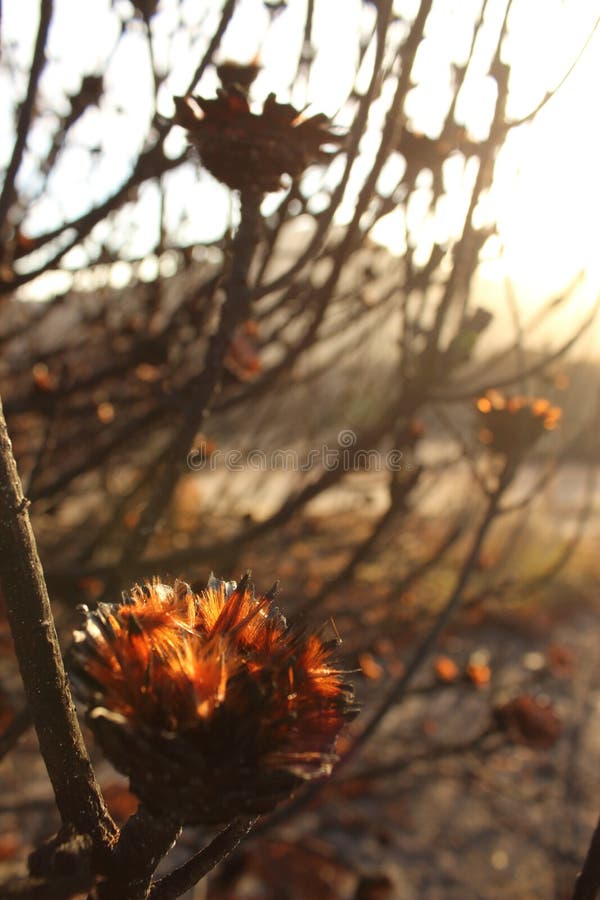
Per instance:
(186,876)
(355,135)
(399,688)
(429,754)
(399,491)
(228,10)
(467,392)
(26,111)
(442,620)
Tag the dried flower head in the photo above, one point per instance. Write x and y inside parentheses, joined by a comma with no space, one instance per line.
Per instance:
(210,703)
(253,150)
(512,424)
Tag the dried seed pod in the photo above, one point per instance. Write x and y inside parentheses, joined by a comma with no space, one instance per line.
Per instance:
(512,424)
(210,703)
(253,150)
(527,720)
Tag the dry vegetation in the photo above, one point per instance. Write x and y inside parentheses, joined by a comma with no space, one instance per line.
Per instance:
(222,378)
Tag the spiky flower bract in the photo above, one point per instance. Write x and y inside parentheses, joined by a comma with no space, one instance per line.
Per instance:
(210,703)
(253,150)
(512,424)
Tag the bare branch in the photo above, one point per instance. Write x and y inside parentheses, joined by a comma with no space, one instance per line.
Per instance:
(186,876)
(515,123)
(26,112)
(36,645)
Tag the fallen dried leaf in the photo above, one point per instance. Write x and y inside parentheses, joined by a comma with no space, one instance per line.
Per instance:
(529,721)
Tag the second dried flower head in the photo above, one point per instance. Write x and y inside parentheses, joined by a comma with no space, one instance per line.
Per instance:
(210,703)
(511,425)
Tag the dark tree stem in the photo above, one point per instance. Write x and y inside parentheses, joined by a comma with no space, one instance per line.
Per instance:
(30,617)
(186,876)
(26,111)
(206,386)
(143,842)
(587,885)
(59,888)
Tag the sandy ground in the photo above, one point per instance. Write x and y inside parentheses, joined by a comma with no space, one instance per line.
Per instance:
(428,811)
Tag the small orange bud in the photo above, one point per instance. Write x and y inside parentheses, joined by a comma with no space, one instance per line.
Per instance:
(370,667)
(446,669)
(42,378)
(147,372)
(478,674)
(105,412)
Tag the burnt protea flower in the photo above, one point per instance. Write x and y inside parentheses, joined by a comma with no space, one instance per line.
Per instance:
(253,150)
(512,424)
(210,703)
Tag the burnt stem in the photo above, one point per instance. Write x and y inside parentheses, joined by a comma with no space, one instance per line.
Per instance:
(206,386)
(143,842)
(47,690)
(185,877)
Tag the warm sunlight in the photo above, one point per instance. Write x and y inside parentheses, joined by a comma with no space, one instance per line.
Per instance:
(547,187)
(546,190)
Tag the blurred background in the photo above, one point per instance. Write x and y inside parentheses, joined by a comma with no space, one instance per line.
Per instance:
(404,428)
